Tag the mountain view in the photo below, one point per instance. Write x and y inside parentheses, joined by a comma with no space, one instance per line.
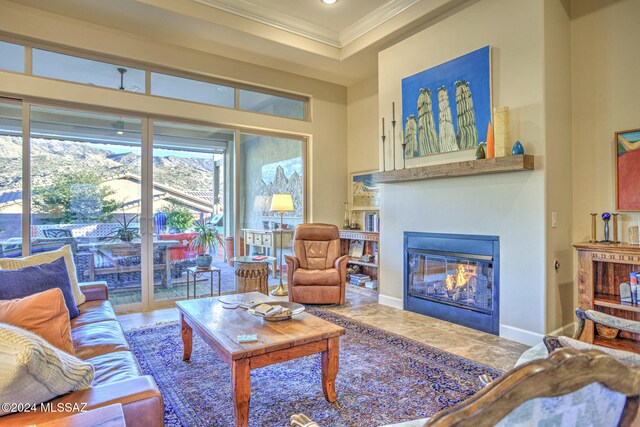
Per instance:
(282,184)
(50,158)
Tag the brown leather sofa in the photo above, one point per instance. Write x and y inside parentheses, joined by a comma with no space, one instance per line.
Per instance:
(98,339)
(317,273)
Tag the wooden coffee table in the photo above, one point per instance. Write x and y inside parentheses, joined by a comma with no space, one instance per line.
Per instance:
(277,342)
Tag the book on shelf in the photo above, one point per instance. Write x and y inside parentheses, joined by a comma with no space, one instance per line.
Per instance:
(356,248)
(358,279)
(371,221)
(371,284)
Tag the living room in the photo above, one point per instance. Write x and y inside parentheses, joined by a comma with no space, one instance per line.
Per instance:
(141,135)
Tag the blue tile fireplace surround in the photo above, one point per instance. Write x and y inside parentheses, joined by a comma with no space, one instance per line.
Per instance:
(453,277)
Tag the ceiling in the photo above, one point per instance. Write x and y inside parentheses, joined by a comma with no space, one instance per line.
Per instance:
(337,43)
(335,25)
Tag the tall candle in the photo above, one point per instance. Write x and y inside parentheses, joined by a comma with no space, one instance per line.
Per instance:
(393,111)
(615,227)
(593,227)
(383,126)
(491,148)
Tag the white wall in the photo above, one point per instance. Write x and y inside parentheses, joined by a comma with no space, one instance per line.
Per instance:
(508,205)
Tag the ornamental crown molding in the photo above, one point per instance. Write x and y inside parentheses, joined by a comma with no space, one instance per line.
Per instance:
(264,15)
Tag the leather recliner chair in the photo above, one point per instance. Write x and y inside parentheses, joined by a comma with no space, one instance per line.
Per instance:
(317,273)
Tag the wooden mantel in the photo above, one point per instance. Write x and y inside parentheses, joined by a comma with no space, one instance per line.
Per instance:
(521,162)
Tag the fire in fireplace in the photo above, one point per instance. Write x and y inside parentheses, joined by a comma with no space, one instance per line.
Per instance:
(453,277)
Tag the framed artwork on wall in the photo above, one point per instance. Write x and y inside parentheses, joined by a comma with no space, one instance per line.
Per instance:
(628,170)
(448,107)
(364,193)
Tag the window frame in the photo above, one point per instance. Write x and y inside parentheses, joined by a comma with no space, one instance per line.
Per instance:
(148,68)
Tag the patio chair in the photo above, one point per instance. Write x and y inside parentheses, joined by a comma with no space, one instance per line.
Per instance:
(56,233)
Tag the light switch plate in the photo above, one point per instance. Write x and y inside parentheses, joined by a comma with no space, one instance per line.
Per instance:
(554,219)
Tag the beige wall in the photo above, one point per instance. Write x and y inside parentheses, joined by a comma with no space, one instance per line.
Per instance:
(606,93)
(510,205)
(327,132)
(558,183)
(362,115)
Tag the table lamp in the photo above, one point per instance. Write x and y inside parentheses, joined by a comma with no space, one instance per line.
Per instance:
(281,203)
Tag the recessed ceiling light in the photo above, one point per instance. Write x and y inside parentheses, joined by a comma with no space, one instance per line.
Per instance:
(120,132)
(329,1)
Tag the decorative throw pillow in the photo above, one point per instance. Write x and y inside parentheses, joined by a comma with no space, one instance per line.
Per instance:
(34,371)
(45,314)
(65,251)
(37,278)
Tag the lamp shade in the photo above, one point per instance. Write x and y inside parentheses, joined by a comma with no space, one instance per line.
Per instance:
(281,203)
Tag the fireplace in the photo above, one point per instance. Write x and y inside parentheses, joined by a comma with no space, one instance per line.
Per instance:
(453,277)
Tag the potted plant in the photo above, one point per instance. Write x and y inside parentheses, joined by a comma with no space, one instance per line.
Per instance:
(124,231)
(205,242)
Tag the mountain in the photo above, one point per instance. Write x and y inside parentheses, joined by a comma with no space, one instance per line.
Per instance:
(51,158)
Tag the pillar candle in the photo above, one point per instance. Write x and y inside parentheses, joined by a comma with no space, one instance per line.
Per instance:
(501,131)
(491,148)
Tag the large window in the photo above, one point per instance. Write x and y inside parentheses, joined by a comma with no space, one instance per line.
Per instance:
(124,193)
(86,193)
(192,90)
(270,165)
(46,62)
(80,70)
(271,104)
(10,179)
(188,189)
(11,57)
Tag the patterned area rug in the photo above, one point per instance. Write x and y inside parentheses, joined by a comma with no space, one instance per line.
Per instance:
(383,379)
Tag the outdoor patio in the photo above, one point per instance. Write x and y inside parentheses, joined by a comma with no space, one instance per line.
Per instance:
(179,286)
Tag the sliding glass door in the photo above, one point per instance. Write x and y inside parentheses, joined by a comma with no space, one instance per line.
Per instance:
(126,194)
(86,192)
(188,192)
(10,179)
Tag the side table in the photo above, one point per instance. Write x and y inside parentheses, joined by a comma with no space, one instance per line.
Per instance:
(252,273)
(196,272)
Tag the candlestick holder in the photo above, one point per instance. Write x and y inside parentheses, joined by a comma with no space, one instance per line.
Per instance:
(383,152)
(394,143)
(404,153)
(393,125)
(606,217)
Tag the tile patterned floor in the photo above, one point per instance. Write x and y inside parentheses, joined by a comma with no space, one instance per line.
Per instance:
(481,347)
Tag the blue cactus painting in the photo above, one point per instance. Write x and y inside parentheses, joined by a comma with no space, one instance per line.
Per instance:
(448,107)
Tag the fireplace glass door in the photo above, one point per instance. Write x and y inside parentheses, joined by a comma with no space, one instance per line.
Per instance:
(462,280)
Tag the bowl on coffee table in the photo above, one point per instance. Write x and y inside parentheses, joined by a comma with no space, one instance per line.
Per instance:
(291,309)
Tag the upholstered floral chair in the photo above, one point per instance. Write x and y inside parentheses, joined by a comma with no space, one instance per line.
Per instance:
(579,342)
(568,388)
